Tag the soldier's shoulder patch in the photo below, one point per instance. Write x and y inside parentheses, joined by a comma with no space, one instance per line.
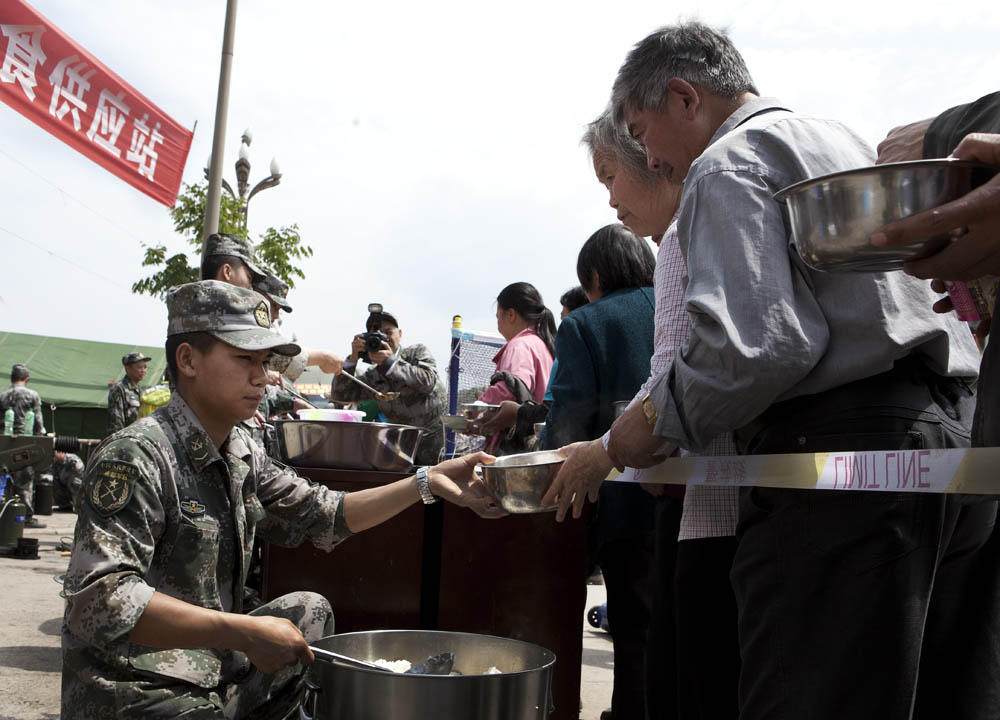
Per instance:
(262,314)
(112,486)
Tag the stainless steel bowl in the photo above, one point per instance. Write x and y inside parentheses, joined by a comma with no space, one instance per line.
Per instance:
(834,216)
(476,411)
(347,445)
(518,482)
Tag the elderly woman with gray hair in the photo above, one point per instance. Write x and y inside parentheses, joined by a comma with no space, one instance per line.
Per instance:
(693,554)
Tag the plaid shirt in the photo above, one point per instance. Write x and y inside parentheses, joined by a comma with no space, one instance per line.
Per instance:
(708,511)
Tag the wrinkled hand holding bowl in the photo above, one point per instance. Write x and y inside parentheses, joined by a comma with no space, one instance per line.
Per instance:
(518,482)
(347,445)
(833,216)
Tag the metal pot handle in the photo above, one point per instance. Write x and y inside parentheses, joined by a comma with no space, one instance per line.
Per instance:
(309,700)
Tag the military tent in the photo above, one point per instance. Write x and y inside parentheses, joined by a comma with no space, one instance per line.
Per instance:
(73,377)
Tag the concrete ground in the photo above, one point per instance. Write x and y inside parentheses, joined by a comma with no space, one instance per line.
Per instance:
(33,610)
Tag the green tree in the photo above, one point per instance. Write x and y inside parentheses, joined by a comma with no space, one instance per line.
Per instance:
(277,249)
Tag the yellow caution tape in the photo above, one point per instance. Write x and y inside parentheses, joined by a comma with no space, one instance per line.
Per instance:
(963,470)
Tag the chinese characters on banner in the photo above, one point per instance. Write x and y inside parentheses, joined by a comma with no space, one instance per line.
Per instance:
(60,86)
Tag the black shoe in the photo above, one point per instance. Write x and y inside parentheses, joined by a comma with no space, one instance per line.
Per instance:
(33,523)
(606,715)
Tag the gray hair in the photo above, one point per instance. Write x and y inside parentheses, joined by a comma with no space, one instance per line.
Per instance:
(604,136)
(691,51)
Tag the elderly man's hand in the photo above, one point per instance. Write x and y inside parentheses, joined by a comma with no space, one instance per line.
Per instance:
(633,443)
(579,477)
(501,419)
(973,220)
(457,482)
(905,142)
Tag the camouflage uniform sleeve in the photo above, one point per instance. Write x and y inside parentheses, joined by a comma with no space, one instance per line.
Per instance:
(296,507)
(290,366)
(116,408)
(39,428)
(415,368)
(282,402)
(120,520)
(344,390)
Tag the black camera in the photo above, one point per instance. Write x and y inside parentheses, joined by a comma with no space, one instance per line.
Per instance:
(373,343)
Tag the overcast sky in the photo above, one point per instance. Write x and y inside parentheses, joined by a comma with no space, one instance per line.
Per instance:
(430,151)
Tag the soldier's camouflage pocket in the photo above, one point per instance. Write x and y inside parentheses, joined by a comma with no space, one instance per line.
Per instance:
(191,572)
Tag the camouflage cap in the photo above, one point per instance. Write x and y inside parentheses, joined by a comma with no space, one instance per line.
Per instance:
(226,244)
(134,357)
(271,286)
(235,315)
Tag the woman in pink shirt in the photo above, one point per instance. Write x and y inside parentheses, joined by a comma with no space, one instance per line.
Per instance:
(525,361)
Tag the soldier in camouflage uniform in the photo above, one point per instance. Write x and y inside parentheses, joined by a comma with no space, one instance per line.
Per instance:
(125,397)
(22,398)
(169,511)
(67,479)
(229,259)
(409,373)
(276,291)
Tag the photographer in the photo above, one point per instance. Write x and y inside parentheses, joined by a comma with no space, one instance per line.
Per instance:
(409,374)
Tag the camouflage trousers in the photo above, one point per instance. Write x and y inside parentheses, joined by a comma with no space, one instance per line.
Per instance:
(252,695)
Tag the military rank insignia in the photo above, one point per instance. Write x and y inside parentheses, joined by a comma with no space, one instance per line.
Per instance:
(197,447)
(262,314)
(192,507)
(114,481)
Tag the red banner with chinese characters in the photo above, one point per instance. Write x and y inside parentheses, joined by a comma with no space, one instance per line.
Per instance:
(58,85)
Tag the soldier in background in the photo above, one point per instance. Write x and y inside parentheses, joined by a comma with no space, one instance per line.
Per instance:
(276,291)
(124,397)
(229,258)
(26,405)
(409,373)
(67,479)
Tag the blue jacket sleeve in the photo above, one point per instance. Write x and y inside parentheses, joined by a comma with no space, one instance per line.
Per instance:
(574,410)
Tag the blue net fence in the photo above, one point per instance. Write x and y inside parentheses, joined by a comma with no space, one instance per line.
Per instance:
(469,371)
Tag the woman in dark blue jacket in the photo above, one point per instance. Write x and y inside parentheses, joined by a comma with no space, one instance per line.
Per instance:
(603,350)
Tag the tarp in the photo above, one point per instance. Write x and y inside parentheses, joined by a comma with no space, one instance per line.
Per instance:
(74,375)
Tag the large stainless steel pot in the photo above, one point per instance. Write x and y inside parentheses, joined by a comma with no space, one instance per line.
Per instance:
(521,692)
(347,445)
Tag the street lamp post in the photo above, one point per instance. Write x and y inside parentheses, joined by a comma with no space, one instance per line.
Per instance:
(243,175)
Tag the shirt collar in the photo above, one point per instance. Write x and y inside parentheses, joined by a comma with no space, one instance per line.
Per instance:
(199,446)
(746,111)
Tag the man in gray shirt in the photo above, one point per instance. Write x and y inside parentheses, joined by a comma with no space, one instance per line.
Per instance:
(843,597)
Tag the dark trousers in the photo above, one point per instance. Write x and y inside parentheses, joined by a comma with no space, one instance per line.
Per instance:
(845,599)
(626,564)
(986,426)
(707,640)
(661,637)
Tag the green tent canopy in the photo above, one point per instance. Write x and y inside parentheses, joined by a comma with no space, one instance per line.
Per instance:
(74,376)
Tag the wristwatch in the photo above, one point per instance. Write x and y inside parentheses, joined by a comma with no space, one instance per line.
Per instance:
(424,487)
(649,411)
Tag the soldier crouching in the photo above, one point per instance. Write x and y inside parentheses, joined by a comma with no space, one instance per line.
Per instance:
(168,515)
